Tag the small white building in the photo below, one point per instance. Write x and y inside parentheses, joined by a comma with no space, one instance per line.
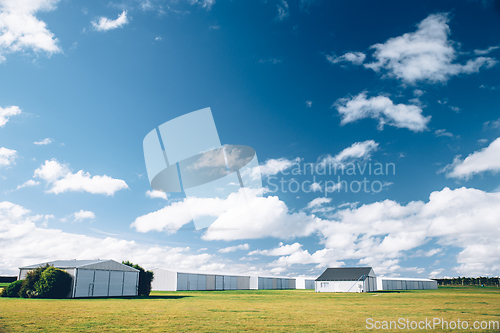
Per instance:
(95,278)
(174,280)
(304,283)
(385,283)
(346,279)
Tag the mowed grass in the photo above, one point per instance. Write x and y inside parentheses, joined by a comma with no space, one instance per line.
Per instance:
(250,310)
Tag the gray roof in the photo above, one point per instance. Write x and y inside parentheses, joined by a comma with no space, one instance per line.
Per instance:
(105,264)
(345,273)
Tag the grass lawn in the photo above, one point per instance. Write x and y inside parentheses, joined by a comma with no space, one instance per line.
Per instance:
(249,310)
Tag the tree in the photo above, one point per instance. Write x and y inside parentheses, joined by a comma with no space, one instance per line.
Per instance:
(46,282)
(12,290)
(145,278)
(53,283)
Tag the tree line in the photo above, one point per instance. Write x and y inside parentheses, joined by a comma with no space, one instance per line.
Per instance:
(470,281)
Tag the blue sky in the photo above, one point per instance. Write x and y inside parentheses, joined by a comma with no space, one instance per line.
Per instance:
(412,84)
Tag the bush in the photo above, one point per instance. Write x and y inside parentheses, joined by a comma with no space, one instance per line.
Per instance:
(28,287)
(12,290)
(53,283)
(46,282)
(145,278)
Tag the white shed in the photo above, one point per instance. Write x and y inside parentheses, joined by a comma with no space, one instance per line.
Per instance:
(346,279)
(95,278)
(174,280)
(304,283)
(385,283)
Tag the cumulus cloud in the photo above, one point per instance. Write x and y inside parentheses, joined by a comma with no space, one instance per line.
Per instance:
(425,55)
(7,156)
(60,179)
(9,111)
(486,159)
(153,194)
(105,24)
(234,248)
(356,58)
(207,4)
(318,202)
(43,142)
(21,30)
(382,109)
(29,243)
(243,215)
(83,215)
(443,132)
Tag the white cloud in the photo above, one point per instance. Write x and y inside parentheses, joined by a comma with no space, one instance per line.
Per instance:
(283,11)
(281,250)
(20,29)
(61,179)
(443,132)
(318,202)
(43,142)
(28,183)
(356,58)
(487,159)
(156,194)
(243,215)
(309,104)
(7,156)
(274,166)
(486,51)
(9,111)
(382,109)
(28,243)
(83,215)
(207,4)
(424,55)
(105,24)
(234,248)
(358,151)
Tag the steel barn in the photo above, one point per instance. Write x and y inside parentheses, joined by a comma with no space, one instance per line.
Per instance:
(347,279)
(174,280)
(95,278)
(304,283)
(384,283)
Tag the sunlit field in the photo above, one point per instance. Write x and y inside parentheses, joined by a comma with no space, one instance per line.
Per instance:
(252,310)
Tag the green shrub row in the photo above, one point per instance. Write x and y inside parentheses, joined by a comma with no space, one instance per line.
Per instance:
(42,282)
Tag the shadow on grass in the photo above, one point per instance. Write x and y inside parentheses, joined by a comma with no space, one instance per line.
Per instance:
(136,297)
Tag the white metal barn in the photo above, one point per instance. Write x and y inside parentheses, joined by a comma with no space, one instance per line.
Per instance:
(304,283)
(384,283)
(173,280)
(346,279)
(95,278)
(275,283)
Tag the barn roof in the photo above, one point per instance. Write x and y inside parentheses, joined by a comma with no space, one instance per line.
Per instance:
(104,264)
(345,273)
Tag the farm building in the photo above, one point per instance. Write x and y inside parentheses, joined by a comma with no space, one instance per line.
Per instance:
(304,283)
(384,283)
(95,278)
(173,280)
(346,279)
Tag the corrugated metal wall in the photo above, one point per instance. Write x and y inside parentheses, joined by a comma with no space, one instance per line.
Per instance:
(102,283)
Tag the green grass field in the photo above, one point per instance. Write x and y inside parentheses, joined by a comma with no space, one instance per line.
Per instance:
(252,310)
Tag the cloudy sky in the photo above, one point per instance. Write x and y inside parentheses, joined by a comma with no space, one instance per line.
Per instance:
(401,98)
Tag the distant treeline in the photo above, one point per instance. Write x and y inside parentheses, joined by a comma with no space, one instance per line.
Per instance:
(467,281)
